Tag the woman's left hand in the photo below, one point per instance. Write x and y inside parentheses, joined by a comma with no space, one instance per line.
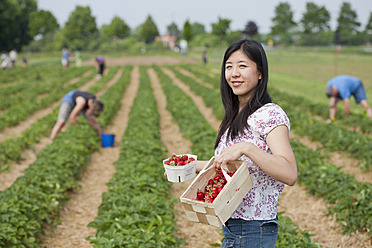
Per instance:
(230,153)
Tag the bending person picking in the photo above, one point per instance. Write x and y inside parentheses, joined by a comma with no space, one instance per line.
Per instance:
(341,88)
(78,102)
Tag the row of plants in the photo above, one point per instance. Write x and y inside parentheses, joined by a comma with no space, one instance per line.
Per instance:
(19,112)
(137,210)
(346,198)
(209,95)
(304,124)
(202,136)
(32,72)
(11,149)
(333,137)
(205,74)
(28,90)
(35,199)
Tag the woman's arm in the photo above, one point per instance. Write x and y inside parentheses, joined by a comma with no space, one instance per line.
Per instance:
(281,164)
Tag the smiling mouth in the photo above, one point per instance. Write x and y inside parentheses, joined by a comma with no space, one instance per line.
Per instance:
(236,83)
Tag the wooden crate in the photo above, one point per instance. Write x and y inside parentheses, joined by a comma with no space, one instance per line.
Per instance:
(218,212)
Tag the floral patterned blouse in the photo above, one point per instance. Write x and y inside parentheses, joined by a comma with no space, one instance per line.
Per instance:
(261,201)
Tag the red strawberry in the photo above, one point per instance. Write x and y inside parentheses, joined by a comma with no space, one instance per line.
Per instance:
(166,162)
(219,185)
(214,193)
(219,190)
(200,195)
(217,178)
(184,157)
(180,163)
(210,182)
(208,188)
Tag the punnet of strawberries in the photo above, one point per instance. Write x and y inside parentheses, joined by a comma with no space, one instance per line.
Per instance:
(213,187)
(179,160)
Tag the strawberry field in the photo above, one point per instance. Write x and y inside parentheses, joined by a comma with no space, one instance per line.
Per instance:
(73,193)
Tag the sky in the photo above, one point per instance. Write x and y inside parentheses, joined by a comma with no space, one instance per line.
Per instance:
(164,12)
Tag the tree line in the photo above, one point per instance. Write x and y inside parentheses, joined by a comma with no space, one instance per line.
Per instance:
(24,26)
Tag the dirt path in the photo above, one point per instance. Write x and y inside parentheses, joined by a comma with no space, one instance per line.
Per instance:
(195,234)
(143,60)
(83,205)
(342,160)
(294,198)
(309,213)
(198,80)
(198,100)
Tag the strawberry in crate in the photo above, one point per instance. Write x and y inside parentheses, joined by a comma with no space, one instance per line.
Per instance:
(213,187)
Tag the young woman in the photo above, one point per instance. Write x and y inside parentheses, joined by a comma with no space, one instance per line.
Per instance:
(254,130)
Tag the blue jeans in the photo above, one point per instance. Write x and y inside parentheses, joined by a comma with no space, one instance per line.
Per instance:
(252,234)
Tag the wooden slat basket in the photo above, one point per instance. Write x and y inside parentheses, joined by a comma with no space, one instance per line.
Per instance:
(218,212)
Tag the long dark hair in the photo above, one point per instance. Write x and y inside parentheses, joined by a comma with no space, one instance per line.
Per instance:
(237,121)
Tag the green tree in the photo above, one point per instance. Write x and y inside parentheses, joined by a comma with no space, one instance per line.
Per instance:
(25,8)
(42,22)
(173,30)
(14,23)
(283,23)
(187,31)
(315,23)
(347,25)
(368,29)
(117,28)
(221,28)
(283,19)
(315,19)
(7,25)
(148,30)
(197,28)
(80,29)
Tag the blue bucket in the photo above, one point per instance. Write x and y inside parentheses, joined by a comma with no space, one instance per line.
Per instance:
(107,139)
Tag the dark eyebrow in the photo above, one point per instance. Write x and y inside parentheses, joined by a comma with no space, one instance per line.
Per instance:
(240,61)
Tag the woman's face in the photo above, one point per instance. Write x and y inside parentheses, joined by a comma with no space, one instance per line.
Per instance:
(242,75)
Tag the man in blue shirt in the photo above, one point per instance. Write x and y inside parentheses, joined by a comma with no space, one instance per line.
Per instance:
(74,103)
(341,88)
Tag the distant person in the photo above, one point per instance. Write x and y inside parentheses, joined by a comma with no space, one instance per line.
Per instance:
(5,61)
(77,58)
(100,65)
(65,60)
(3,56)
(205,59)
(74,103)
(24,62)
(342,88)
(13,57)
